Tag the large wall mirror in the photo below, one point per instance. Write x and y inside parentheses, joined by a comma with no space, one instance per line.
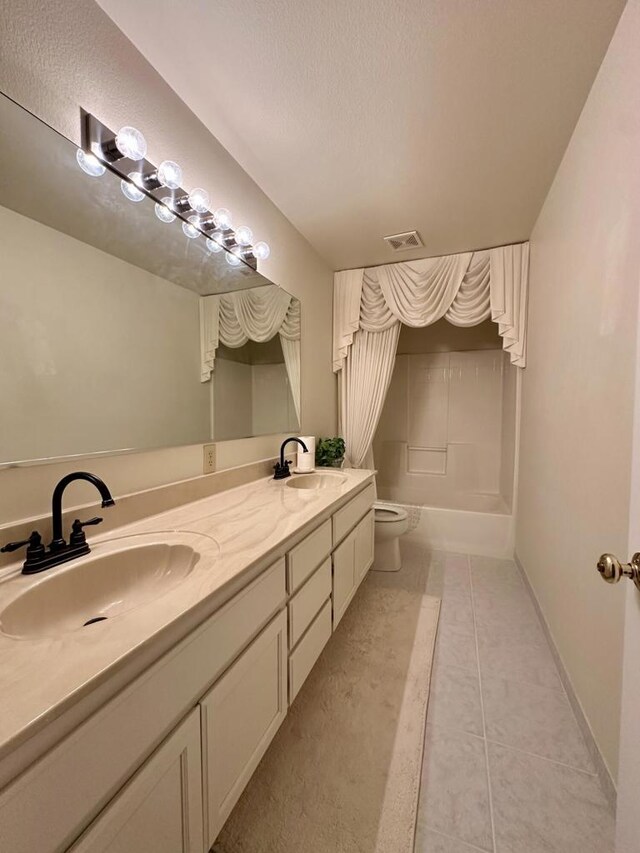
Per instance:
(117,331)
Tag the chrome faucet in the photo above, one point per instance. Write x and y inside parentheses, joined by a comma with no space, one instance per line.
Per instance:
(38,557)
(282,467)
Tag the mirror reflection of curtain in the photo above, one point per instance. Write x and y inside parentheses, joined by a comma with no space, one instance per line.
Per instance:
(290,342)
(371,304)
(256,314)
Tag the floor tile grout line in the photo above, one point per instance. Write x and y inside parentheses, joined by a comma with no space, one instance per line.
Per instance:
(457,840)
(484,722)
(494,676)
(444,727)
(541,757)
(456,730)
(490,675)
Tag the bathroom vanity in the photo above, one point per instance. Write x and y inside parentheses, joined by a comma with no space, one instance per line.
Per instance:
(140,731)
(142,682)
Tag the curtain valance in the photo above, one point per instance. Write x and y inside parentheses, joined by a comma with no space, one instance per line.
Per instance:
(255,314)
(465,289)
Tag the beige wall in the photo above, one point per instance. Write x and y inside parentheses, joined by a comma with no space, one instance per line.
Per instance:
(577,392)
(445,337)
(59,56)
(231,399)
(509,427)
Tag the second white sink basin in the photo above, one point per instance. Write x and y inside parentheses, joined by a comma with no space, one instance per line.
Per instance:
(317,480)
(118,576)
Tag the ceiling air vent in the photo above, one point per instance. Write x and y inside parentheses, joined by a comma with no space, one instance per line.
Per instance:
(402,242)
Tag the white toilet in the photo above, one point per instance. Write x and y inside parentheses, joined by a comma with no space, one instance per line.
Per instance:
(391,521)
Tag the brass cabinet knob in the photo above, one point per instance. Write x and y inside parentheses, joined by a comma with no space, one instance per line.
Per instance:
(612,570)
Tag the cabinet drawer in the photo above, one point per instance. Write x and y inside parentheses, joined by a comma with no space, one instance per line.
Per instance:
(78,777)
(240,716)
(346,518)
(160,808)
(307,556)
(308,601)
(301,661)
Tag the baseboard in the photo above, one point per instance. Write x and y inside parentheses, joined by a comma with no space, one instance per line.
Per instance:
(608,785)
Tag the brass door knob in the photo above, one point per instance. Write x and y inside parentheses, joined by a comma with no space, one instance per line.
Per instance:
(612,570)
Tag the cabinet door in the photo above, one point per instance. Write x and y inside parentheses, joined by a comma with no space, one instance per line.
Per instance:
(240,715)
(160,809)
(364,546)
(343,576)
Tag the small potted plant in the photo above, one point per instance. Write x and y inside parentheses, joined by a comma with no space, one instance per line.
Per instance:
(330,452)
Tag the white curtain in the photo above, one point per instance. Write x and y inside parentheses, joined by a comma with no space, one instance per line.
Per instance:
(209,337)
(465,289)
(256,314)
(363,387)
(347,288)
(291,353)
(509,279)
(371,304)
(290,342)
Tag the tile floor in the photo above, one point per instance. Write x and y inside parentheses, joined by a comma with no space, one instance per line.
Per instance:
(506,769)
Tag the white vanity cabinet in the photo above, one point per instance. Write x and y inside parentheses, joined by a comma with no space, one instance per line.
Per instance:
(160,766)
(240,715)
(160,809)
(351,561)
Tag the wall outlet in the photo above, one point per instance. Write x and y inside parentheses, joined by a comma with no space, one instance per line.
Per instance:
(209,459)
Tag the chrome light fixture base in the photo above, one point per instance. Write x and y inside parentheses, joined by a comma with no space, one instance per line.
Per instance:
(99,140)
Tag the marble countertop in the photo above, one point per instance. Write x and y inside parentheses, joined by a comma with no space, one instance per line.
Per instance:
(43,677)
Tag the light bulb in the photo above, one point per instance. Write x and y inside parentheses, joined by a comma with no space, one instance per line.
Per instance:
(131,143)
(130,190)
(233,260)
(244,235)
(137,178)
(163,210)
(169,174)
(222,218)
(199,200)
(213,245)
(90,164)
(190,228)
(261,250)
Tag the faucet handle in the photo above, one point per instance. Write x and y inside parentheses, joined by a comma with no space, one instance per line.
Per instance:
(77,533)
(35,548)
(282,471)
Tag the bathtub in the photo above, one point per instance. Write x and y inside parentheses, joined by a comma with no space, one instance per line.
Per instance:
(486,529)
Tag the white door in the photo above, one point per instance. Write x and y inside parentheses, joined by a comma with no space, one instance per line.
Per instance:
(628,817)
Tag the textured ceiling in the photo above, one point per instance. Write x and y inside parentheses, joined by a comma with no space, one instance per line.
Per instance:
(372,117)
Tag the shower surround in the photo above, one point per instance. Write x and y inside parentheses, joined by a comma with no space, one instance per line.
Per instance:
(446,442)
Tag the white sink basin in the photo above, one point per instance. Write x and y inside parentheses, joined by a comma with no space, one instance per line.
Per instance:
(317,480)
(117,576)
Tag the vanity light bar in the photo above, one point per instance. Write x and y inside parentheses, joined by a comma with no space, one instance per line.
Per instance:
(124,153)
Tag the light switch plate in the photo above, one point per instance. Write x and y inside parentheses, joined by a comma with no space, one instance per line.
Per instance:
(209,459)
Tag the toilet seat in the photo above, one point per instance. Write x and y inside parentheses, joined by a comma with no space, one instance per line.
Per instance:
(385,513)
